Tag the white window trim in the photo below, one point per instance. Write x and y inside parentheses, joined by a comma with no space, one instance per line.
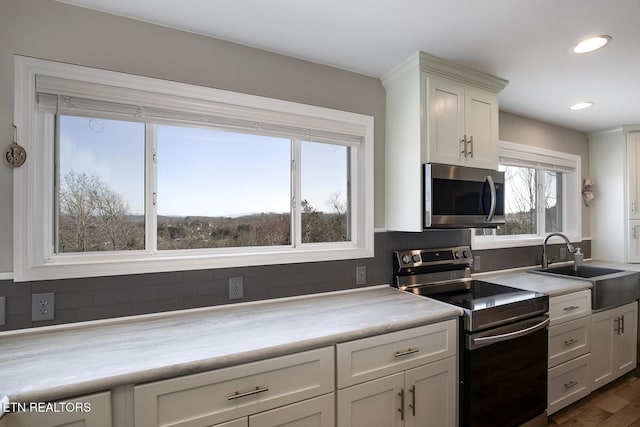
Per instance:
(571,186)
(34,258)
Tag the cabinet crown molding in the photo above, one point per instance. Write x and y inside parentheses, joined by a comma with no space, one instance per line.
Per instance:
(437,66)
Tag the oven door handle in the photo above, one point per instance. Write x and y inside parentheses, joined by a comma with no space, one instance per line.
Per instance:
(482,341)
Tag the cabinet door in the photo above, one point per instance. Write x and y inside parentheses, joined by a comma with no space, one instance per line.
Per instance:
(445,122)
(91,411)
(481,128)
(317,412)
(615,332)
(625,342)
(432,395)
(602,333)
(375,403)
(633,175)
(633,254)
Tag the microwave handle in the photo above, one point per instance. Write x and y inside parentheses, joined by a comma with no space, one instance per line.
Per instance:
(492,188)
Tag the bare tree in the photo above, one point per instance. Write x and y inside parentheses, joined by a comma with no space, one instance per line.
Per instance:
(93,217)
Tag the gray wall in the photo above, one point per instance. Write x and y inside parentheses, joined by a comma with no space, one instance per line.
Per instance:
(51,30)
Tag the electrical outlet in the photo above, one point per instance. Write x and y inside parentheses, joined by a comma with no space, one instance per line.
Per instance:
(42,306)
(476,263)
(361,275)
(236,287)
(3,311)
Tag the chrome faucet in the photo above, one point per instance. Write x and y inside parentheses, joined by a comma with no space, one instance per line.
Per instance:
(545,260)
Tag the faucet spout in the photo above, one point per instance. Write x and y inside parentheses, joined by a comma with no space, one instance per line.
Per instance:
(545,259)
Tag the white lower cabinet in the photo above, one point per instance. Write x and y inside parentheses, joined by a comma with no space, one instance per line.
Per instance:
(420,388)
(570,341)
(86,411)
(568,383)
(232,393)
(615,332)
(316,412)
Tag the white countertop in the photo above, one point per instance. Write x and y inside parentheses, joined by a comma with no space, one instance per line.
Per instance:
(62,361)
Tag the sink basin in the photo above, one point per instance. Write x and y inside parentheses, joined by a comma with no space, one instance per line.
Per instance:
(611,287)
(584,271)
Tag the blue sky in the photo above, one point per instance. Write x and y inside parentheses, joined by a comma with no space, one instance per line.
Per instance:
(201,171)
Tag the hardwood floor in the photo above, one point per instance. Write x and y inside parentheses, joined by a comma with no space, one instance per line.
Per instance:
(615,405)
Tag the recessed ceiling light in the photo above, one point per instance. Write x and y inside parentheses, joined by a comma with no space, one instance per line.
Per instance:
(591,44)
(581,105)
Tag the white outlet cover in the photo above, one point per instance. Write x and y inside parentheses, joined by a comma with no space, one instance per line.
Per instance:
(42,306)
(236,287)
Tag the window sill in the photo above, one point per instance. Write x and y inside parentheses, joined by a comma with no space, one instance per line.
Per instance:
(515,242)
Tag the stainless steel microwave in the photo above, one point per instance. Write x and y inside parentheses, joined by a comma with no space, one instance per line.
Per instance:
(461,197)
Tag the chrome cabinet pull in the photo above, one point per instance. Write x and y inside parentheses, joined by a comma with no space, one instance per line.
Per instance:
(571,308)
(571,341)
(406,352)
(401,410)
(238,395)
(617,328)
(463,142)
(570,384)
(470,142)
(622,322)
(412,405)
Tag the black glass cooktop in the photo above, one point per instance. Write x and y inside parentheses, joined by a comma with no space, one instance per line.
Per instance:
(488,304)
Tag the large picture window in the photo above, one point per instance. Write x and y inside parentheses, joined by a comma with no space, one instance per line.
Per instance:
(542,195)
(132,174)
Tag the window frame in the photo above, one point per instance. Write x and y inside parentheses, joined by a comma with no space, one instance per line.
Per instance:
(541,158)
(34,255)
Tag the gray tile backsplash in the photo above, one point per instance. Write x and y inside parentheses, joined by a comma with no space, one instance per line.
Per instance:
(116,296)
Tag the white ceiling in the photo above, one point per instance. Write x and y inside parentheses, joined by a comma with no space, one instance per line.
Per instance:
(527,42)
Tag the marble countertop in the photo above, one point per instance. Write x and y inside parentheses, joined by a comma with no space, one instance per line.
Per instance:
(550,285)
(55,362)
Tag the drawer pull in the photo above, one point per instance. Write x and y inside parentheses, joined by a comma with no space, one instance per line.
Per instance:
(238,395)
(570,384)
(571,308)
(406,352)
(571,341)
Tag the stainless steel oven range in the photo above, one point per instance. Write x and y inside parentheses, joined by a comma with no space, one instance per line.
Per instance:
(503,337)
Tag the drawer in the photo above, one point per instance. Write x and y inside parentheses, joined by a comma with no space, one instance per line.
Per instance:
(569,383)
(568,307)
(569,340)
(370,358)
(93,410)
(234,392)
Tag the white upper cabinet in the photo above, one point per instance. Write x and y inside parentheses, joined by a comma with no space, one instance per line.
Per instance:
(437,112)
(633,171)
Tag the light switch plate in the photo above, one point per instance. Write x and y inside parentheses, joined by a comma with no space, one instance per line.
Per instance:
(3,311)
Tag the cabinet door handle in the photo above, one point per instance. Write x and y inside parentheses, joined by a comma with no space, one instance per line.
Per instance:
(571,308)
(463,143)
(617,322)
(571,341)
(570,384)
(634,232)
(238,395)
(622,322)
(401,410)
(633,207)
(406,352)
(470,142)
(412,405)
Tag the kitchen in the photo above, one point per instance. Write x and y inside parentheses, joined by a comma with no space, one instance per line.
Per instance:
(64,33)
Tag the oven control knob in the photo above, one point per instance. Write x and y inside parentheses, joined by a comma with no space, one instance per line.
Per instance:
(416,258)
(406,259)
(465,254)
(457,254)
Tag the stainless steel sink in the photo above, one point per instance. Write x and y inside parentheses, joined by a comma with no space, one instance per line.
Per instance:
(611,287)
